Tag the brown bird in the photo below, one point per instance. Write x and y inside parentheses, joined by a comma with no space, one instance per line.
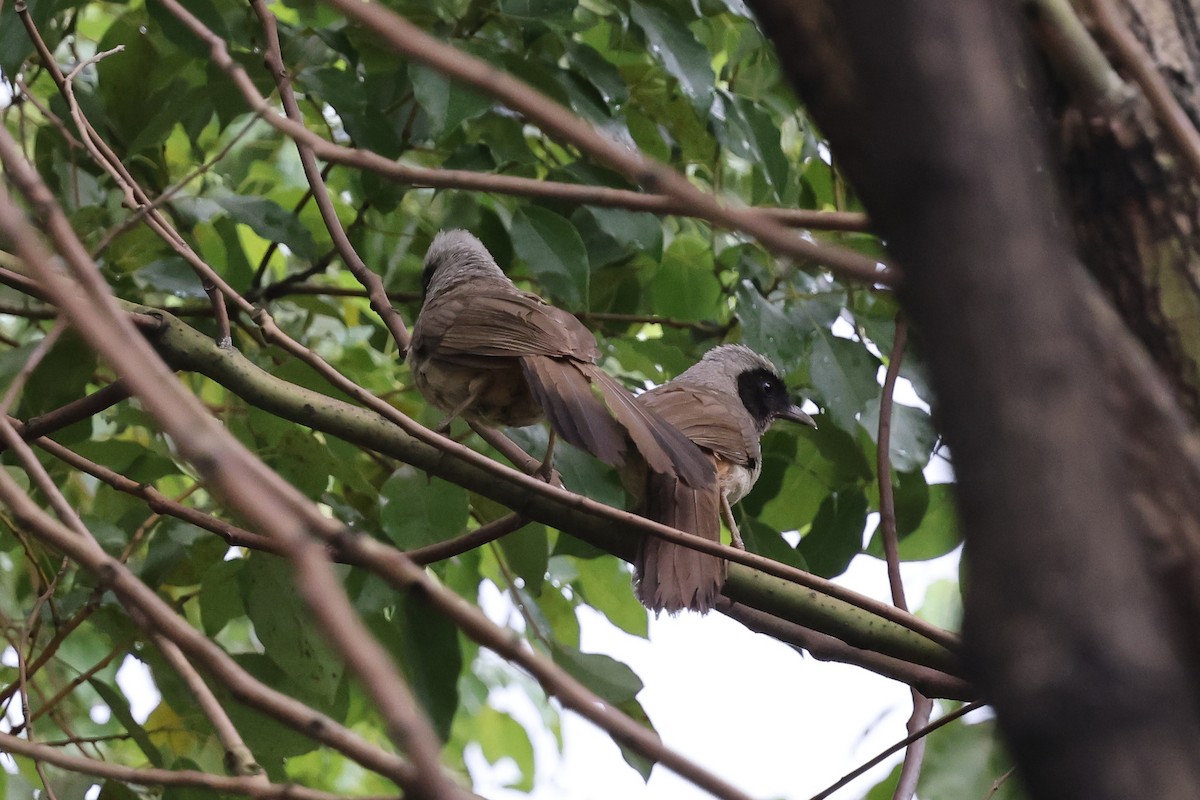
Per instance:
(724,403)
(487,351)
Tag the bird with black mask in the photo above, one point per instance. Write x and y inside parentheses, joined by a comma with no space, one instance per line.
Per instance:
(724,403)
(494,354)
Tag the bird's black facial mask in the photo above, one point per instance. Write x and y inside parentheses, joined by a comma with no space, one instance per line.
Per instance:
(764,395)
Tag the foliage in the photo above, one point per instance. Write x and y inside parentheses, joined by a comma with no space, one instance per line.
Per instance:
(693,84)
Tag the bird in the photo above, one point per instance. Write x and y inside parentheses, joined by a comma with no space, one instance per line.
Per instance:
(724,403)
(487,351)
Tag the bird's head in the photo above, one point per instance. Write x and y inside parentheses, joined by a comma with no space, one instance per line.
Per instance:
(454,257)
(757,383)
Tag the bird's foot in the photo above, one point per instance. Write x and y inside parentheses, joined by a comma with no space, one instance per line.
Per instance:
(734,534)
(546,470)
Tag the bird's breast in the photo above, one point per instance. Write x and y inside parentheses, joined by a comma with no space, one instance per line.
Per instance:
(736,479)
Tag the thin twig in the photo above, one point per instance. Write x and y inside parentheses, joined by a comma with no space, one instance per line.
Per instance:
(374,285)
(996,784)
(679,196)
(900,745)
(172,190)
(39,352)
(239,760)
(496,529)
(910,772)
(75,411)
(248,786)
(883,467)
(227,465)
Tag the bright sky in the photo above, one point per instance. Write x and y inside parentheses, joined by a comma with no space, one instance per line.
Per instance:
(771,722)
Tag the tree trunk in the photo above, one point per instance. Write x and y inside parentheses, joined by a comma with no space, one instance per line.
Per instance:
(1134,202)
(1077,477)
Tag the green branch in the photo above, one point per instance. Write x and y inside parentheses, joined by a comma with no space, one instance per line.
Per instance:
(185,348)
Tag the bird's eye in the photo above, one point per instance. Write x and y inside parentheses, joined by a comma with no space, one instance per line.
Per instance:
(768,385)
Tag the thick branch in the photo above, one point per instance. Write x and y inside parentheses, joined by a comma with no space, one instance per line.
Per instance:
(605,527)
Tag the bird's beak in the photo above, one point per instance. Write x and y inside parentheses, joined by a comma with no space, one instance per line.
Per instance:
(795,414)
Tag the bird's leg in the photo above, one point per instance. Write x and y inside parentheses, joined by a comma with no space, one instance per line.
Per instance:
(475,389)
(547,467)
(727,512)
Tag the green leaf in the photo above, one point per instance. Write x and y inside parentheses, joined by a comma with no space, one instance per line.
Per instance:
(218,605)
(285,626)
(448,103)
(417,510)
(681,54)
(270,221)
(170,275)
(938,533)
(603,76)
(843,375)
(424,644)
(548,12)
(15,45)
(606,585)
(684,285)
(610,679)
(501,736)
(554,252)
(119,706)
(964,760)
(613,235)
(62,376)
(527,552)
(912,437)
(837,533)
(943,605)
(769,327)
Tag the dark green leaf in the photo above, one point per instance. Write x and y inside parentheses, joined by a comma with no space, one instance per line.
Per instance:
(685,58)
(446,102)
(965,761)
(610,679)
(424,644)
(417,510)
(554,252)
(270,221)
(285,626)
(769,327)
(119,706)
(938,532)
(526,552)
(912,436)
(843,375)
(837,533)
(684,285)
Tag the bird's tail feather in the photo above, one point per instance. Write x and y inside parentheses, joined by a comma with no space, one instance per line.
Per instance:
(671,577)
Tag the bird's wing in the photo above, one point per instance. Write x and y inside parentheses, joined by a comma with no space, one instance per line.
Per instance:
(713,420)
(473,321)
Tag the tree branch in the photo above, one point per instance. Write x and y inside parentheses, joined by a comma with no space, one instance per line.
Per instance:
(250,787)
(650,174)
(753,579)
(372,282)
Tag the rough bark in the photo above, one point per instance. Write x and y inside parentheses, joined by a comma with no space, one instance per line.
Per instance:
(1133,202)
(1076,517)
